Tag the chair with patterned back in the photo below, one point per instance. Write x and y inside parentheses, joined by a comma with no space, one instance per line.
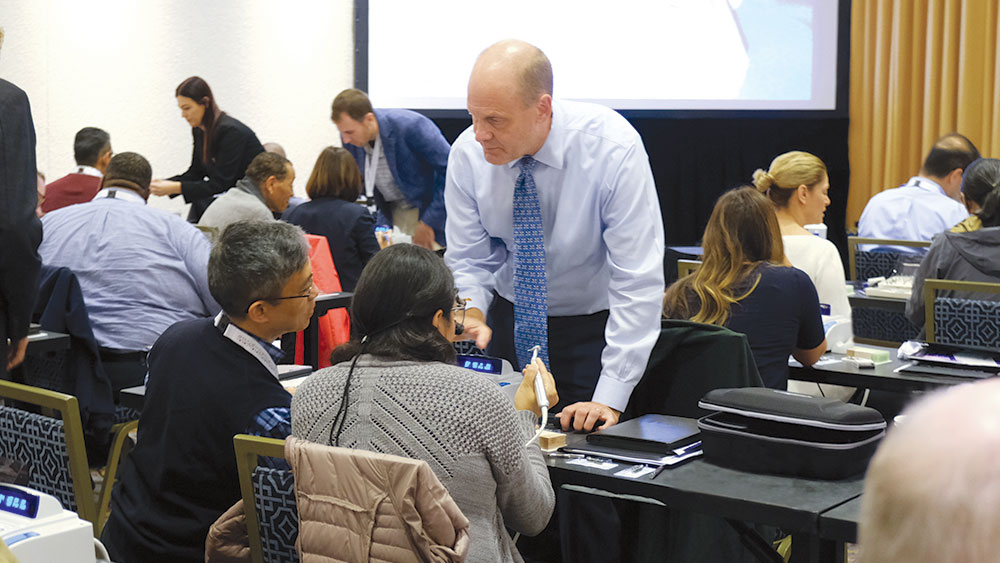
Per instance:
(958,320)
(273,525)
(53,448)
(882,260)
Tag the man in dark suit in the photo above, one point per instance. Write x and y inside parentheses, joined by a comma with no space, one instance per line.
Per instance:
(20,230)
(402,156)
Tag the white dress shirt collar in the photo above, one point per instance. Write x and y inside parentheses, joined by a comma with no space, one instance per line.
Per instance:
(124,194)
(553,152)
(88,170)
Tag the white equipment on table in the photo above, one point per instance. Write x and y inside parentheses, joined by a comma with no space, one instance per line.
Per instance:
(36,528)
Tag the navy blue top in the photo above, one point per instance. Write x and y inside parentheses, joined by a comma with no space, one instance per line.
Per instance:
(348,227)
(780,315)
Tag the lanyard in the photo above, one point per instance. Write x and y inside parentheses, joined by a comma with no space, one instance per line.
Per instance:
(247,342)
(371,166)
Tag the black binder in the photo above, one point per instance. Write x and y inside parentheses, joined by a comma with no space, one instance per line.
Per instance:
(654,433)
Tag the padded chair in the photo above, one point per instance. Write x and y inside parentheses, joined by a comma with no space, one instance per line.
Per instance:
(688,360)
(211,232)
(273,525)
(881,261)
(53,448)
(961,321)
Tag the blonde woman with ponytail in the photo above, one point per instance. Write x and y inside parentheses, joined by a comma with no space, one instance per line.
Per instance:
(797,185)
(744,285)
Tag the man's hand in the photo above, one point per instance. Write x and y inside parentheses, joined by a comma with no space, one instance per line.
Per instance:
(476,328)
(423,236)
(164,187)
(524,399)
(586,415)
(15,353)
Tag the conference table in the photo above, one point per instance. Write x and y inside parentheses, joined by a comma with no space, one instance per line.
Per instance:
(43,341)
(832,368)
(796,505)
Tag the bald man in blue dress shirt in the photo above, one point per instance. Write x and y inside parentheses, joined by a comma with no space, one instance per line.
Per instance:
(600,221)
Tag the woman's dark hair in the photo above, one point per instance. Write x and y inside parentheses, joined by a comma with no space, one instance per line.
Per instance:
(336,175)
(399,291)
(981,184)
(197,89)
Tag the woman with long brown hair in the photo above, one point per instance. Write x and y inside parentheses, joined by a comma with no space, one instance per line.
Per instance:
(745,285)
(333,187)
(223,149)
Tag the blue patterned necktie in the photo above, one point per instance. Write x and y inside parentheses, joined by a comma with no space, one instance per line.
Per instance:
(531,325)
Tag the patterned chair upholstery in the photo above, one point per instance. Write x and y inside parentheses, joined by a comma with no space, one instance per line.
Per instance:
(874,263)
(871,323)
(967,322)
(39,441)
(880,257)
(53,449)
(277,514)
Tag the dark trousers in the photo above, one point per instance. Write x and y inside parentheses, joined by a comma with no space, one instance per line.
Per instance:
(583,527)
(575,347)
(124,369)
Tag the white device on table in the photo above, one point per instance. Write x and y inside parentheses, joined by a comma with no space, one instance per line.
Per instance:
(36,528)
(540,396)
(839,333)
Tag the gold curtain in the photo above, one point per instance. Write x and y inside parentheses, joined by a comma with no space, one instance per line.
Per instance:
(919,69)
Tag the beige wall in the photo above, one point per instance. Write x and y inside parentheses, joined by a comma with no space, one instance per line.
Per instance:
(274,65)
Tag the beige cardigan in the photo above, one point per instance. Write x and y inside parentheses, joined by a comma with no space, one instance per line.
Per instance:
(356,505)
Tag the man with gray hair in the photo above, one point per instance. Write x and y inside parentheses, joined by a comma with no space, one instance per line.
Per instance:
(140,269)
(210,379)
(932,492)
(264,190)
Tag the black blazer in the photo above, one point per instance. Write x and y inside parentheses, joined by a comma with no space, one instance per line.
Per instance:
(347,226)
(235,146)
(20,229)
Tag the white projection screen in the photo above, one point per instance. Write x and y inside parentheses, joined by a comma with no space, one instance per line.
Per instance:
(628,54)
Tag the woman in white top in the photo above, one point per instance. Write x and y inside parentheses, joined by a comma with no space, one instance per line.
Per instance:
(797,184)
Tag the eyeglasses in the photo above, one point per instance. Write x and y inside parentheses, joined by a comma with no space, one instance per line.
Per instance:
(313,293)
(458,313)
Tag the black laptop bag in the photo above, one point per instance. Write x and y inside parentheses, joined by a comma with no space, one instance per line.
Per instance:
(771,431)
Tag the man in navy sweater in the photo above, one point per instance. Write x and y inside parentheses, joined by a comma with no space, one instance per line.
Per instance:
(402,156)
(210,379)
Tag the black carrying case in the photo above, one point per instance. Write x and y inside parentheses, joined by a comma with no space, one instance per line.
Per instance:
(770,431)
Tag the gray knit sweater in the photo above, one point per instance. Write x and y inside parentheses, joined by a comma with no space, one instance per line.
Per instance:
(454,419)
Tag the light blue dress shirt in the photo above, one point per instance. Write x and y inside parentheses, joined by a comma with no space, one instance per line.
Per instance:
(602,227)
(140,269)
(917,210)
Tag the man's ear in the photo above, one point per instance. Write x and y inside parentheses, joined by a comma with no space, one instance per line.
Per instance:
(269,184)
(257,312)
(104,160)
(544,106)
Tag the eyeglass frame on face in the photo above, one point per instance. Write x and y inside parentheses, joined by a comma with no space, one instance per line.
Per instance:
(313,294)
(461,304)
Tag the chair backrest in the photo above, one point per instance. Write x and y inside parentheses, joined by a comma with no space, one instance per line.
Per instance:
(968,322)
(882,261)
(686,267)
(211,232)
(689,360)
(273,525)
(53,447)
